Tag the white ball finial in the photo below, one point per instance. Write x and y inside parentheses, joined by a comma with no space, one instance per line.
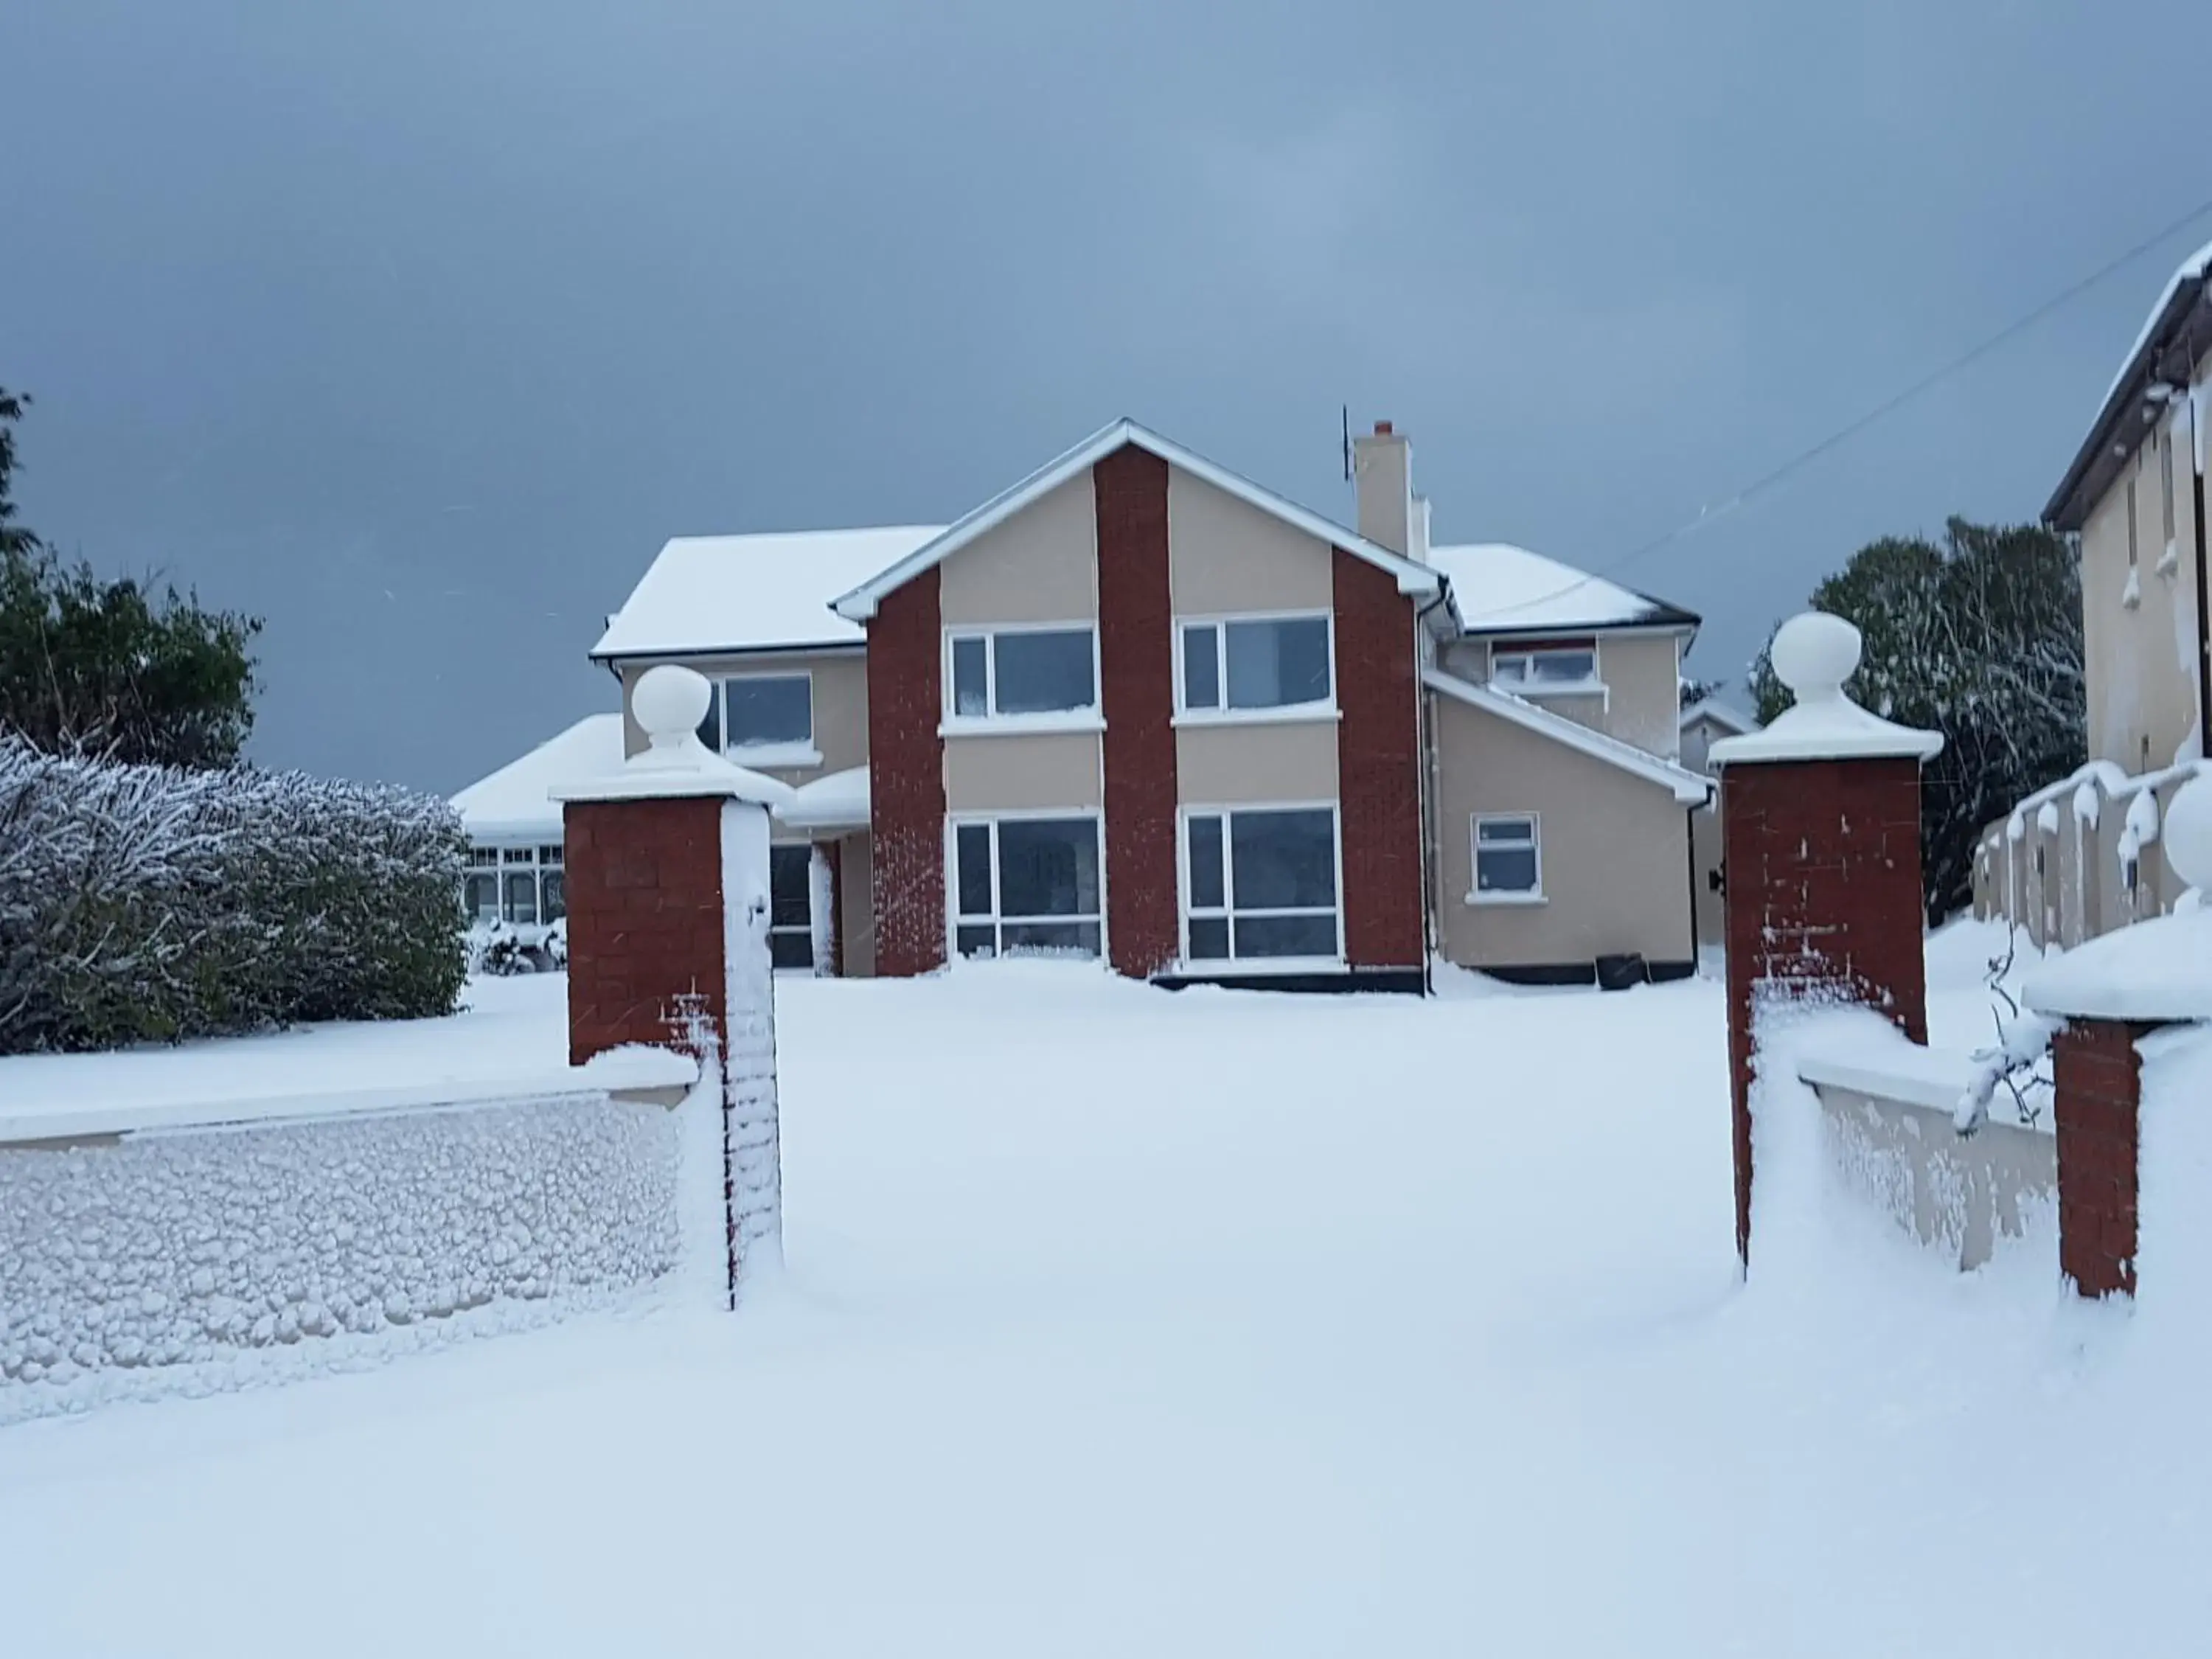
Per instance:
(1812,655)
(2187,832)
(669,702)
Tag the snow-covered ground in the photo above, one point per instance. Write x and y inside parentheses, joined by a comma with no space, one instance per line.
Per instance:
(1121,1322)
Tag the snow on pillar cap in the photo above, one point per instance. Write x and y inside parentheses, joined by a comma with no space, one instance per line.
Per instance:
(2187,832)
(1813,653)
(669,702)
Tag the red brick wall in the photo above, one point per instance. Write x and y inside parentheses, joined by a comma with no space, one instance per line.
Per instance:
(2097,1116)
(1378,764)
(1136,656)
(906,779)
(645,919)
(1823,869)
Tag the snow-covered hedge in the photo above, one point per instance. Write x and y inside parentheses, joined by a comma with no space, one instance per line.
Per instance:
(142,903)
(217,1250)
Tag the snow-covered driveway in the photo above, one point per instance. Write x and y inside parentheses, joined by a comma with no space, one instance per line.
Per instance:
(1119,1322)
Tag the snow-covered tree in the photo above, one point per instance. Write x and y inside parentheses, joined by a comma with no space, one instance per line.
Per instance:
(1978,637)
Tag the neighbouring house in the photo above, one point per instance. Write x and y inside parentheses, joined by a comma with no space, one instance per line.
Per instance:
(1702,724)
(1139,707)
(2082,857)
(515,872)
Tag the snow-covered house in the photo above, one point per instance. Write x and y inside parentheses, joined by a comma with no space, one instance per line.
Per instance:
(515,872)
(2134,494)
(1140,708)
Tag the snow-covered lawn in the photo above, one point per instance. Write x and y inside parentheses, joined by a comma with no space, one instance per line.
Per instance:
(1118,1322)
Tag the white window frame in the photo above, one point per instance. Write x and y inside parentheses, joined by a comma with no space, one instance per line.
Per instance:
(1534,689)
(795,754)
(1244,966)
(955,919)
(1221,713)
(953,724)
(1476,895)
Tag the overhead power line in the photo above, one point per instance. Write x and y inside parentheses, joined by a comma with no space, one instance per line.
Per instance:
(1881,411)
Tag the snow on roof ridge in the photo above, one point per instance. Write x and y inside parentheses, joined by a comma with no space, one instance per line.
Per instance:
(1726,712)
(1688,787)
(1534,590)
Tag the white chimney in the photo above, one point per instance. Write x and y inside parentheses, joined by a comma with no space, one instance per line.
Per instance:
(1383,477)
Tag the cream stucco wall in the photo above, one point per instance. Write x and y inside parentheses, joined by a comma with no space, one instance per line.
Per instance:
(1226,555)
(1040,566)
(1642,676)
(1237,765)
(841,704)
(1031,773)
(2140,660)
(1614,848)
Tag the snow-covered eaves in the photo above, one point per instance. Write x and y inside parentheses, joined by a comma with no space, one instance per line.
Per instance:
(1502,589)
(1414,579)
(1720,713)
(512,805)
(717,595)
(1685,786)
(2159,356)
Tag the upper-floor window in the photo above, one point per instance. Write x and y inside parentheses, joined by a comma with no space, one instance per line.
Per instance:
(764,720)
(1247,664)
(1016,671)
(2165,481)
(1542,667)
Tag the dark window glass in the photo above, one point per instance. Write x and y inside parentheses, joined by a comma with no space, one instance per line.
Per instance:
(522,897)
(977,941)
(556,895)
(970,690)
(1044,673)
(790,897)
(1286,936)
(973,856)
(1274,665)
(1209,938)
(480,898)
(790,949)
(1048,867)
(768,709)
(1283,860)
(1505,870)
(1202,667)
(1206,890)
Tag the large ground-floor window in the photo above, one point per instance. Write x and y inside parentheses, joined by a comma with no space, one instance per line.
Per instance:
(1259,884)
(1025,886)
(523,885)
(791,906)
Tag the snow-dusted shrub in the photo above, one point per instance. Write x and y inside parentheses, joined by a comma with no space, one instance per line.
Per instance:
(145,904)
(497,950)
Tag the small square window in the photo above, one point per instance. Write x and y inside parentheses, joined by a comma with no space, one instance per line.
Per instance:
(1507,859)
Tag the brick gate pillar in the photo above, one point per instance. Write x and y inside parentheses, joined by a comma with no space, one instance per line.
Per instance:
(2110,993)
(667,867)
(1820,846)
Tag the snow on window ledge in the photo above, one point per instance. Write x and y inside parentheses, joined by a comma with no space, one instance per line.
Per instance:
(1512,898)
(758,755)
(1021,726)
(1253,967)
(1539,690)
(1289,713)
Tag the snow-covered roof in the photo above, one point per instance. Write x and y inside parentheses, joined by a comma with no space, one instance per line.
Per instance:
(860,603)
(512,804)
(1720,713)
(705,594)
(1686,785)
(837,801)
(1501,588)
(2116,432)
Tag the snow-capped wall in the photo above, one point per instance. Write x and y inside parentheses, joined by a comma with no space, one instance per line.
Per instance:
(194,1259)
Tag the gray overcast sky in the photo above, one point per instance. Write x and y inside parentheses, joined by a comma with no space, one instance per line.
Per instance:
(418,329)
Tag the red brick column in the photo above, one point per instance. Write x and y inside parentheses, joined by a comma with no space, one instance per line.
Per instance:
(1378,764)
(1824,901)
(906,779)
(1136,690)
(2097,1115)
(645,919)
